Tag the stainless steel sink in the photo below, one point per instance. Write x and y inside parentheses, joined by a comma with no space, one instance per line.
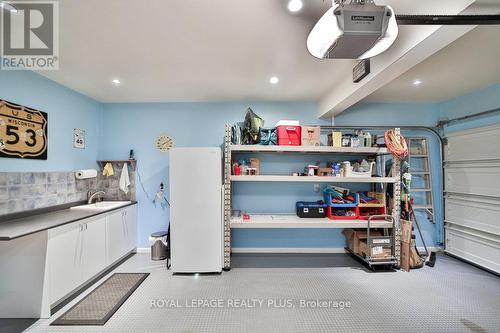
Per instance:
(103,205)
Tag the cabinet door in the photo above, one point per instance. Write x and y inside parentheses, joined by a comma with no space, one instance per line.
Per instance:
(116,236)
(131,220)
(64,252)
(93,247)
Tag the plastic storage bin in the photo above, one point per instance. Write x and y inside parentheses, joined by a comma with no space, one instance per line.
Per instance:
(328,201)
(331,213)
(350,173)
(311,209)
(366,212)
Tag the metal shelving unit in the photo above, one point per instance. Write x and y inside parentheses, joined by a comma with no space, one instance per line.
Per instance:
(312,179)
(291,221)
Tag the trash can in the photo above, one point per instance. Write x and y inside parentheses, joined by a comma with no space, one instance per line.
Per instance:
(159,245)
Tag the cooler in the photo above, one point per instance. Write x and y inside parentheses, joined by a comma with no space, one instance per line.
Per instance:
(289,133)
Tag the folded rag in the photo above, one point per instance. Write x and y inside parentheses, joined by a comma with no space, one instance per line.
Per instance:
(108,170)
(124,179)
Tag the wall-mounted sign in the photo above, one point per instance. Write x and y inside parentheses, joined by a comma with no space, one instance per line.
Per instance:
(79,138)
(23,132)
(361,70)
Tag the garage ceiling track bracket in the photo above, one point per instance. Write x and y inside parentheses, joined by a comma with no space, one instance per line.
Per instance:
(448,19)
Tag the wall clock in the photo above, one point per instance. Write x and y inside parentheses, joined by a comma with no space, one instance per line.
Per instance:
(164,143)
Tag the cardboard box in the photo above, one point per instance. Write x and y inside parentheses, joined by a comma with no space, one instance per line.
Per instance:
(311,135)
(406,231)
(405,256)
(337,139)
(375,252)
(325,172)
(355,237)
(255,163)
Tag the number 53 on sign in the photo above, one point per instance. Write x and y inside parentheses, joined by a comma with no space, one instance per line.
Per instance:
(23,132)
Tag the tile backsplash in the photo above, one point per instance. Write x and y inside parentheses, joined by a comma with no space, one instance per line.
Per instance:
(22,191)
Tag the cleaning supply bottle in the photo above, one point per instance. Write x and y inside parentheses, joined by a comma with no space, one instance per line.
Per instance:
(236,169)
(368,139)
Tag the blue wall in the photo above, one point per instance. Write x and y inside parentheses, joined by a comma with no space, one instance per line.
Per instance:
(114,129)
(482,100)
(66,110)
(407,114)
(136,126)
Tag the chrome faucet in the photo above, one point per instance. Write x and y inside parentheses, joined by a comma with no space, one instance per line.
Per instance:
(90,195)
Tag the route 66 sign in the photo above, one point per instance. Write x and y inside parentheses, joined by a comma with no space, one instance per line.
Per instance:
(23,132)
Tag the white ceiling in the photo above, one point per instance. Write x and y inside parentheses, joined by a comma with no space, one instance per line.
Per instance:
(191,50)
(468,64)
(194,50)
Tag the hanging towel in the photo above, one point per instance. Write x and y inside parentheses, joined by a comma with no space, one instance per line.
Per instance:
(124,179)
(108,170)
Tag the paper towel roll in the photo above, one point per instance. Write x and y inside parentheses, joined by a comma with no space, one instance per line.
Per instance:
(84,174)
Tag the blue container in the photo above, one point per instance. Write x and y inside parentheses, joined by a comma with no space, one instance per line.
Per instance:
(328,201)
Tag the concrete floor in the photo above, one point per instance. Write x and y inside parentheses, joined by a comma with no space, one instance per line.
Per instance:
(272,294)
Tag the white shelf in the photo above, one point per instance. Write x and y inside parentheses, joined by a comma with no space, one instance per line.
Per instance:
(308,149)
(312,179)
(293,221)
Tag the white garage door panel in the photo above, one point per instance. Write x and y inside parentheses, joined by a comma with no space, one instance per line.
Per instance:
(481,178)
(472,200)
(485,139)
(479,213)
(475,248)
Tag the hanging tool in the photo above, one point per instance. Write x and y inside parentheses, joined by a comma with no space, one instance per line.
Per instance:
(430,256)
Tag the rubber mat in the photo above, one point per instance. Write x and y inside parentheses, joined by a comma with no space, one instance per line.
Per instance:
(97,307)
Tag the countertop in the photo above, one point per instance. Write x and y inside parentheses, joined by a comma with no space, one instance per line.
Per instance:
(26,225)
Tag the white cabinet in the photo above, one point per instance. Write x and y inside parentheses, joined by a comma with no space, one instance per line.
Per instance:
(93,248)
(64,253)
(131,218)
(79,251)
(121,233)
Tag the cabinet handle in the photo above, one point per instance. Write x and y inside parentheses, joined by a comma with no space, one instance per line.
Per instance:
(81,227)
(86,226)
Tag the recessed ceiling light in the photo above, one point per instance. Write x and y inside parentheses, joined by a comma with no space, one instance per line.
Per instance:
(417,82)
(274,80)
(295,5)
(116,81)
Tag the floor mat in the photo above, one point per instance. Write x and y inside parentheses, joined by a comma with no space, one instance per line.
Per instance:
(97,307)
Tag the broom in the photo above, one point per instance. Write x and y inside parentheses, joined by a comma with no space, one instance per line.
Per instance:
(430,259)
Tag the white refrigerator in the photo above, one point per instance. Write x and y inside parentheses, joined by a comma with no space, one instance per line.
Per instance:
(196,218)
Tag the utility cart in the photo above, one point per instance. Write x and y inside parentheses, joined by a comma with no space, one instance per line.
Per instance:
(378,251)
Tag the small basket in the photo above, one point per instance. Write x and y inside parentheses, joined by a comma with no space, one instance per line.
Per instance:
(350,173)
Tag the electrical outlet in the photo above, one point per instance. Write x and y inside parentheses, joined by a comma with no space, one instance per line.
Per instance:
(316,188)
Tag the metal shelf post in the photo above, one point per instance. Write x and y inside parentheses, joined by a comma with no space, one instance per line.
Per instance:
(227,197)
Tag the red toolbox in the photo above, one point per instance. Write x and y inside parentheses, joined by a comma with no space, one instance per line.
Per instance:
(289,133)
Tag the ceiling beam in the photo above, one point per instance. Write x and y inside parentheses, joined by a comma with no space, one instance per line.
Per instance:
(414,44)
